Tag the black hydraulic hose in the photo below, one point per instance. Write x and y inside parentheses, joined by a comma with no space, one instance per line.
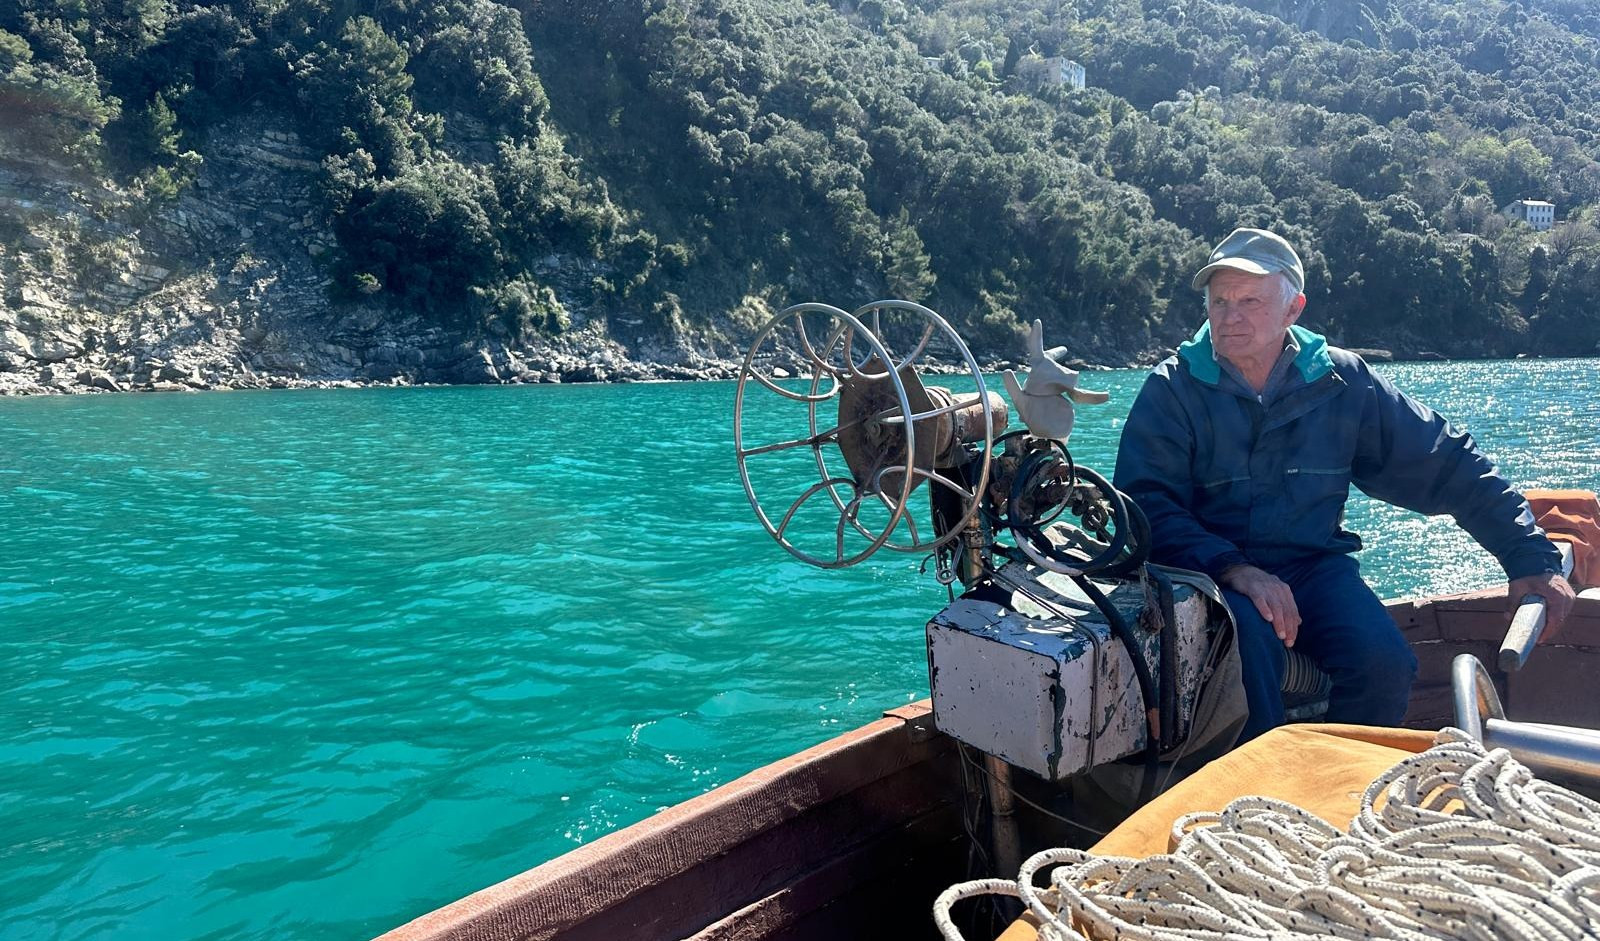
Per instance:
(1119,519)
(1034,532)
(1019,483)
(1138,542)
(1072,478)
(1147,691)
(1000,519)
(1133,527)
(1019,487)
(1129,545)
(1139,553)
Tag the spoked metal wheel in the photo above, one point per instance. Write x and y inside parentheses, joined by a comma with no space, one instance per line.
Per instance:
(874,432)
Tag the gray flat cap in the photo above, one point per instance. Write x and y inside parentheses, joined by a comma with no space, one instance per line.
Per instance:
(1254,251)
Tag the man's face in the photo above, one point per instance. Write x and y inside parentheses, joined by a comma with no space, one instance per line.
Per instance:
(1249,315)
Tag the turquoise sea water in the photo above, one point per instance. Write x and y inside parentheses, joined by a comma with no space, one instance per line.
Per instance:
(310,664)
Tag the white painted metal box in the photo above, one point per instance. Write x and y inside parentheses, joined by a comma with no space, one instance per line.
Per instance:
(1029,687)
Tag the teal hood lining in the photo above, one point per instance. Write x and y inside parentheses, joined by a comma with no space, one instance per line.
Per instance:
(1312,362)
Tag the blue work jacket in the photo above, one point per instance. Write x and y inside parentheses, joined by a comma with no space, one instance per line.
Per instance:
(1227,479)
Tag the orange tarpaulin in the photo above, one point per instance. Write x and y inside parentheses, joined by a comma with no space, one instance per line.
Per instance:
(1572,516)
(1322,768)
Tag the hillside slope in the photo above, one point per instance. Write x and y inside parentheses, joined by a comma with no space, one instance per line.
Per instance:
(233,193)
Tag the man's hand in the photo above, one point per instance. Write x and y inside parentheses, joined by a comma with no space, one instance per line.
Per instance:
(1555,591)
(1273,599)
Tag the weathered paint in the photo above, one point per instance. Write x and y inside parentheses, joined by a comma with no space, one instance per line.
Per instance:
(1020,684)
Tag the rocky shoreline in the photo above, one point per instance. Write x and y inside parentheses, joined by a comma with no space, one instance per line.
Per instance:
(68,359)
(172,378)
(199,332)
(91,367)
(210,350)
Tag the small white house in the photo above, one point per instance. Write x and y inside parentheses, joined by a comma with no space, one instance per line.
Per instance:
(1064,71)
(1535,212)
(1039,72)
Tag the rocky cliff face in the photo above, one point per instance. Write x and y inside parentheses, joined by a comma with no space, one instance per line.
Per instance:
(226,288)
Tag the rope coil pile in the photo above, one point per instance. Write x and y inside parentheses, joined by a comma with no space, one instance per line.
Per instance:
(1455,842)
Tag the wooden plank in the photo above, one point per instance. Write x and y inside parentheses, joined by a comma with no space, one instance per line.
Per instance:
(1434,658)
(1484,616)
(1416,619)
(1487,600)
(1475,626)
(866,824)
(1558,684)
(1582,628)
(1432,707)
(886,882)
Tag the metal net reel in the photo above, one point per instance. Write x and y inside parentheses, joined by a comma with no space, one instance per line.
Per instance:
(875,432)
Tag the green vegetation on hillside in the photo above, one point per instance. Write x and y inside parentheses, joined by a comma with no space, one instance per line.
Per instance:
(694,158)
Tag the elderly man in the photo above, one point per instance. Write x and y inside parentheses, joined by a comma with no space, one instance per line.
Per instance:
(1241,450)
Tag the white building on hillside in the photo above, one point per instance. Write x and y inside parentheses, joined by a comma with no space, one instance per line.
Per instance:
(1535,212)
(1038,72)
(1066,71)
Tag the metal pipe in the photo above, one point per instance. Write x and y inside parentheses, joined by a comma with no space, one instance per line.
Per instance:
(1007,842)
(1474,695)
(966,421)
(1550,751)
(974,553)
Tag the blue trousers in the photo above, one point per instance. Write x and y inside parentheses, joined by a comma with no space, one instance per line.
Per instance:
(1345,629)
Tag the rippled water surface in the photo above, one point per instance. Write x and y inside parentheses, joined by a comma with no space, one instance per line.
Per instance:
(309,664)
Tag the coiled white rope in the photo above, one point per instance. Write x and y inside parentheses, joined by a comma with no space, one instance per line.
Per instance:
(1455,842)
